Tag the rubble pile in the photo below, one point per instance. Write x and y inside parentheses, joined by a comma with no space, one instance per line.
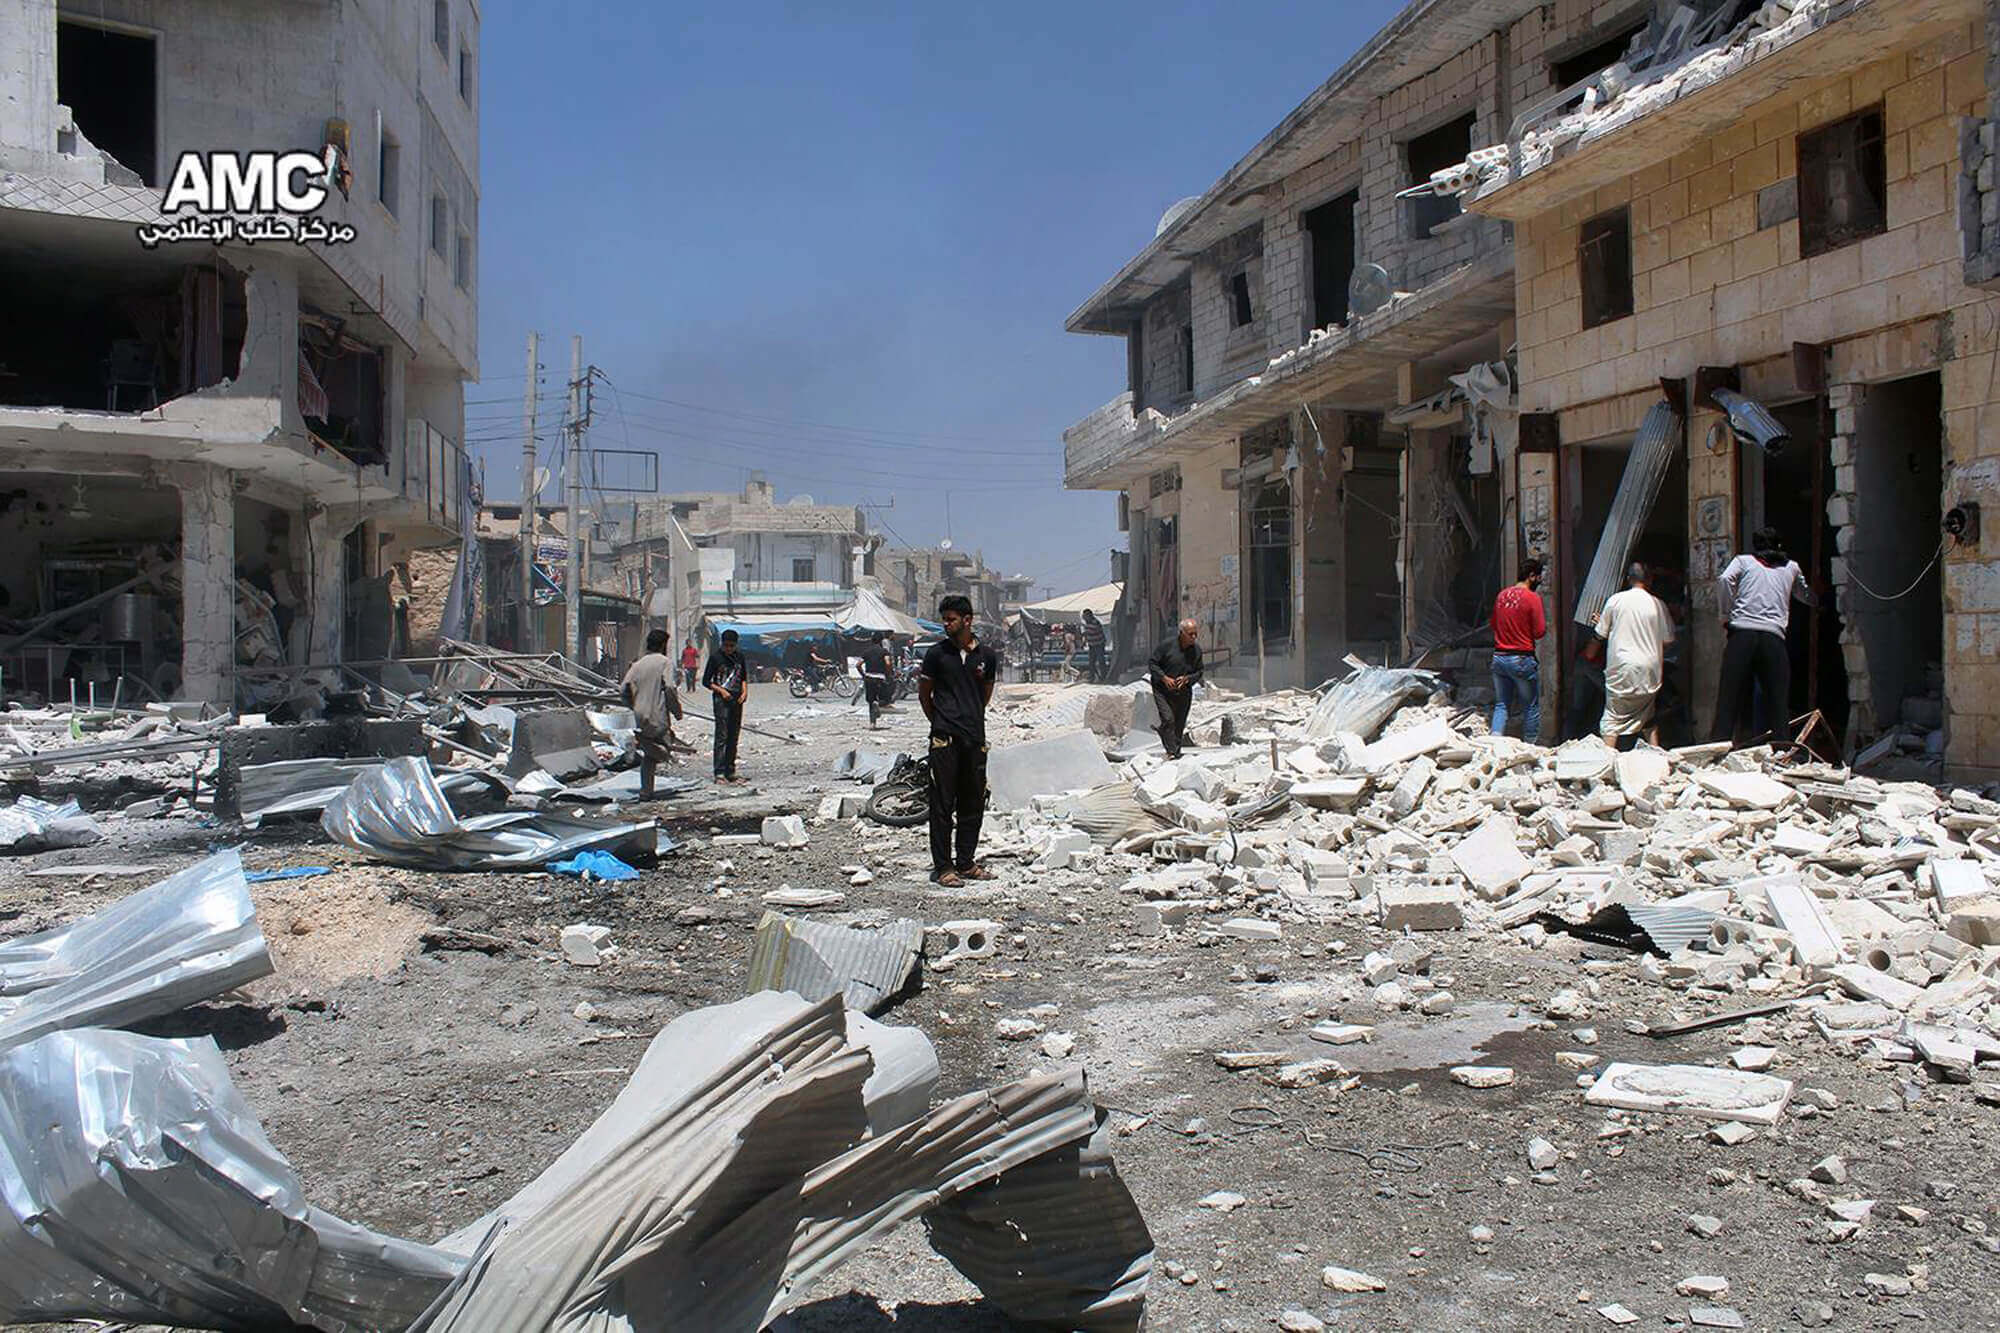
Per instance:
(1865,910)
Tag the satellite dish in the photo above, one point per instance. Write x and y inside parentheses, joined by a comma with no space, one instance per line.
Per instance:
(1175,213)
(541,481)
(1368,290)
(945,545)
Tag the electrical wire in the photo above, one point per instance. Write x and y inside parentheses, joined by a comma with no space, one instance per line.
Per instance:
(1855,579)
(918,438)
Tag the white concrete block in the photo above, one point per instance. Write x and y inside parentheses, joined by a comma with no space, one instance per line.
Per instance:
(1490,860)
(1421,905)
(784,831)
(1715,1094)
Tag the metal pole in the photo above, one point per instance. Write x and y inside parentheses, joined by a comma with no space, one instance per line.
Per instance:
(573,466)
(526,635)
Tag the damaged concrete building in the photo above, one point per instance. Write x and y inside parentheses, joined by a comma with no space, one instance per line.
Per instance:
(1790,211)
(1785,208)
(214,451)
(916,578)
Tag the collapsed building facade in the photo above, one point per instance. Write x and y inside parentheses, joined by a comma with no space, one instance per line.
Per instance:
(235,441)
(1414,336)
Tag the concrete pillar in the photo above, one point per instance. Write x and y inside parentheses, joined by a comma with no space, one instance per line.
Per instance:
(325,564)
(208,583)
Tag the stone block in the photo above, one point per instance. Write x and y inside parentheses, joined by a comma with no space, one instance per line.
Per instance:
(784,831)
(952,940)
(1154,918)
(1421,905)
(1063,849)
(1976,923)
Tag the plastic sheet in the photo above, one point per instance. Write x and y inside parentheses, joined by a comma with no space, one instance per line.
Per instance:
(397,813)
(31,825)
(1364,702)
(136,1185)
(191,936)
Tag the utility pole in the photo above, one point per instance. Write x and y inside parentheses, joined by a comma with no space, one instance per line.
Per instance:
(527,624)
(579,390)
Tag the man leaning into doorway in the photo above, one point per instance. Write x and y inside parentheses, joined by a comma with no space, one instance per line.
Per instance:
(1757,594)
(1636,628)
(1175,668)
(955,683)
(650,694)
(727,677)
(1518,621)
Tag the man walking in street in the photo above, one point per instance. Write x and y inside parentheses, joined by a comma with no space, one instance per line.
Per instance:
(1175,668)
(650,694)
(1757,595)
(877,687)
(1636,629)
(1093,640)
(690,660)
(728,679)
(1518,621)
(955,683)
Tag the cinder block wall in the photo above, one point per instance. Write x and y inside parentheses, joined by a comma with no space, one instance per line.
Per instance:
(1713,287)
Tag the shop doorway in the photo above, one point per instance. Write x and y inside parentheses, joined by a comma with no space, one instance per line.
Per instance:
(1371,495)
(1896,584)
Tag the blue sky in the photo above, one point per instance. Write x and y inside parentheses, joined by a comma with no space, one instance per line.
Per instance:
(840,248)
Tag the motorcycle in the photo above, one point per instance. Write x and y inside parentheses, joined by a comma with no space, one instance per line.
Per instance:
(807,680)
(903,798)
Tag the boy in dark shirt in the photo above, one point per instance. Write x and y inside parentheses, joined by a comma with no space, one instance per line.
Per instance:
(955,683)
(728,679)
(1176,666)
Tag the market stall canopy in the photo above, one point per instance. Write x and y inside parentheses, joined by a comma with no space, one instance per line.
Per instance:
(1103,599)
(868,612)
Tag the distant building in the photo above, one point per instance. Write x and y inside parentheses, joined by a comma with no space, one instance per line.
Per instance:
(284,419)
(916,579)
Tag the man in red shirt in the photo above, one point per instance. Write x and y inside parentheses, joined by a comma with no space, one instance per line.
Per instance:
(1518,621)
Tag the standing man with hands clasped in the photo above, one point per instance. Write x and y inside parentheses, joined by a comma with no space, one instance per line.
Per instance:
(954,685)
(1176,666)
(728,679)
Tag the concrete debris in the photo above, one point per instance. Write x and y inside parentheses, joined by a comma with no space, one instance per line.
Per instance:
(30,825)
(1482,1076)
(866,967)
(587,945)
(952,941)
(787,831)
(1350,1280)
(1716,1094)
(1017,774)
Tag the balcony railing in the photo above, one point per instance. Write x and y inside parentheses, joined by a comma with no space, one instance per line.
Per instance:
(436,474)
(1106,437)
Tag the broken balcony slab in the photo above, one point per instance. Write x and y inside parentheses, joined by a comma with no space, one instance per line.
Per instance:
(1713,1094)
(1016,774)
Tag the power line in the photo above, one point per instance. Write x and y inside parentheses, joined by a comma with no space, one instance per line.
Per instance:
(918,438)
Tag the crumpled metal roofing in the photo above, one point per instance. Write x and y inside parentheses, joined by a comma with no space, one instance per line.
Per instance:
(712,1203)
(136,1185)
(33,825)
(867,967)
(1653,451)
(1365,701)
(307,786)
(191,936)
(396,812)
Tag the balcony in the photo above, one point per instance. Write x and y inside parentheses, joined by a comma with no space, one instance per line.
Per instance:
(1104,450)
(437,476)
(1709,92)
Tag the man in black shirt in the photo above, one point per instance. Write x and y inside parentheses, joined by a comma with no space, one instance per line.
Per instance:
(957,679)
(877,687)
(1093,639)
(1176,666)
(727,677)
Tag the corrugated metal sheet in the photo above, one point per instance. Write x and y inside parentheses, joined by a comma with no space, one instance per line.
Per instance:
(816,959)
(1112,813)
(1365,701)
(191,936)
(1645,470)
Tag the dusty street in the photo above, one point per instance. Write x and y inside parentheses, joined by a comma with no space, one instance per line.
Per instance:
(416,1082)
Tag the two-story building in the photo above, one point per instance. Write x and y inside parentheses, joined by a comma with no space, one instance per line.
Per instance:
(1297,470)
(916,578)
(267,423)
(1795,206)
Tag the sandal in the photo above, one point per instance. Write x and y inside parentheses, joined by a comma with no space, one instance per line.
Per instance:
(977,872)
(948,879)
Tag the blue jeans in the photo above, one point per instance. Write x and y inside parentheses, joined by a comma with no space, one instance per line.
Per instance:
(1517,688)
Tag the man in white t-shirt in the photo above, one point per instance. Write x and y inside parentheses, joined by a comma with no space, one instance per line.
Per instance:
(1636,628)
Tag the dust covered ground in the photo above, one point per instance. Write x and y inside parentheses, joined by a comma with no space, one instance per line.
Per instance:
(415,1083)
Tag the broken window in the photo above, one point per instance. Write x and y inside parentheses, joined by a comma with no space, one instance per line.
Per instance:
(342,393)
(1240,313)
(1599,55)
(117,338)
(440,225)
(108,80)
(388,167)
(441,25)
(1187,358)
(1843,183)
(802,569)
(1446,146)
(1604,266)
(462,268)
(1330,231)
